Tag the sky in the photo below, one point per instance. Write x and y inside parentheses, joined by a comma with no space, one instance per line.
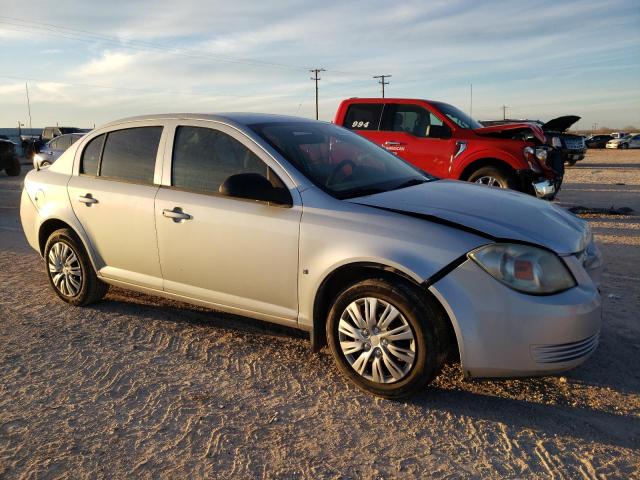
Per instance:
(88,62)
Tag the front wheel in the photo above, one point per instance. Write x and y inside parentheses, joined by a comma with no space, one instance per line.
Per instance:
(13,170)
(624,145)
(386,338)
(493,177)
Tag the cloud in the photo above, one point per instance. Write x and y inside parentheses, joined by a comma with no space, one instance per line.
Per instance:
(108,63)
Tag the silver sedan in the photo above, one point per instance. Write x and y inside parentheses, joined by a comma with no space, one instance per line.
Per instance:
(306,224)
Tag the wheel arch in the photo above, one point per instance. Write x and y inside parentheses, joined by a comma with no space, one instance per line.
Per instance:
(345,275)
(51,225)
(485,162)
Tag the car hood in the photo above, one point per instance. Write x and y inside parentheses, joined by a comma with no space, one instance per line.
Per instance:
(535,129)
(499,215)
(560,124)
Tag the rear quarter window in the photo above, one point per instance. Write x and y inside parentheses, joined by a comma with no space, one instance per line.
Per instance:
(91,156)
(363,116)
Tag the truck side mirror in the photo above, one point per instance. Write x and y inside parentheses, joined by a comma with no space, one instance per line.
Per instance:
(438,131)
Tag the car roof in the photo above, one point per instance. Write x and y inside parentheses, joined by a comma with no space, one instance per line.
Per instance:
(238,118)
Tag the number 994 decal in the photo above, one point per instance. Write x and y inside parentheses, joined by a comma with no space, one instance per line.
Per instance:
(360,124)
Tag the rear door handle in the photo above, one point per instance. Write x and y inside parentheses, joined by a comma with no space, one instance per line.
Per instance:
(176,214)
(87,199)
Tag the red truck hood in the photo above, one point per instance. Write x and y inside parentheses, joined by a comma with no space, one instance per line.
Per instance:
(535,129)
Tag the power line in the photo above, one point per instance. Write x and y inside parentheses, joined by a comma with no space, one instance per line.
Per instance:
(382,82)
(316,78)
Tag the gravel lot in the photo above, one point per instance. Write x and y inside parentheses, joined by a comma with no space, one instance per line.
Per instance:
(140,386)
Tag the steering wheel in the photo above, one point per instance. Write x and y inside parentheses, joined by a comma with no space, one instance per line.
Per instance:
(337,169)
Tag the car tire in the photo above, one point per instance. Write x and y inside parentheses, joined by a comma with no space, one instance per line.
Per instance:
(572,162)
(69,269)
(406,360)
(624,145)
(493,177)
(13,170)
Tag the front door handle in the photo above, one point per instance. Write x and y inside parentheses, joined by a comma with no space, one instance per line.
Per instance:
(176,214)
(87,199)
(391,143)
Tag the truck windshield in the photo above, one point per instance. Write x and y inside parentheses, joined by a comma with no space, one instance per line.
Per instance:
(341,163)
(457,116)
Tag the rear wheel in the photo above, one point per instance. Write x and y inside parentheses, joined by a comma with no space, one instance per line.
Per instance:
(493,177)
(70,271)
(385,338)
(13,170)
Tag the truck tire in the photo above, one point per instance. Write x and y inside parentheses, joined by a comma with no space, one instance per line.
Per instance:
(493,177)
(13,170)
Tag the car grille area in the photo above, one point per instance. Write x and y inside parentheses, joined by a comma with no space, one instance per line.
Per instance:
(572,143)
(564,352)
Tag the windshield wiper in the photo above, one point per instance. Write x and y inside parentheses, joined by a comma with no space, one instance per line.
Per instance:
(410,183)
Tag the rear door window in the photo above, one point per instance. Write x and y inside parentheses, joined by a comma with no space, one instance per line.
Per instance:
(363,116)
(203,158)
(130,154)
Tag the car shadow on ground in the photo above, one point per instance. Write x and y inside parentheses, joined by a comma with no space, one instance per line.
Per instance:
(533,403)
(606,166)
(583,423)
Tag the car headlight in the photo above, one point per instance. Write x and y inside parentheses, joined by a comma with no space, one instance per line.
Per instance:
(556,142)
(524,268)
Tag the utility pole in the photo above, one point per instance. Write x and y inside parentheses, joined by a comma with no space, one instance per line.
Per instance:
(504,112)
(471,101)
(26,86)
(315,77)
(382,82)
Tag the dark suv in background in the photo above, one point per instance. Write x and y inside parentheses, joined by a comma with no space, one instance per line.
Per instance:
(597,141)
(572,147)
(8,159)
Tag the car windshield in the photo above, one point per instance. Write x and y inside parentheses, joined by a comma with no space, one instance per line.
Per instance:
(457,116)
(341,163)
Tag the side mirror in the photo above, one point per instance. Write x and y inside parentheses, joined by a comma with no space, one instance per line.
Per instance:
(254,186)
(40,161)
(438,131)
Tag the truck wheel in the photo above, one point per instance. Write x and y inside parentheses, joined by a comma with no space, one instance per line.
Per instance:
(386,338)
(13,170)
(493,177)
(70,271)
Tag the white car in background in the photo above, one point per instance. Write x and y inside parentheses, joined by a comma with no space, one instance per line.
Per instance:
(630,141)
(50,152)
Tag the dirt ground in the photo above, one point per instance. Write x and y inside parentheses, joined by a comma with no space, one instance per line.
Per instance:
(140,386)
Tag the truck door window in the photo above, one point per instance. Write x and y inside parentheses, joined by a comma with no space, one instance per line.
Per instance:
(363,116)
(410,119)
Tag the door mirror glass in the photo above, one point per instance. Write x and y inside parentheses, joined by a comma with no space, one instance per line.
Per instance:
(253,186)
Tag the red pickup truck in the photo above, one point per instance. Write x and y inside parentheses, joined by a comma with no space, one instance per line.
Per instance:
(446,142)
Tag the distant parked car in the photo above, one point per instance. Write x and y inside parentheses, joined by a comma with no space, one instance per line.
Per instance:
(619,134)
(597,141)
(630,141)
(8,158)
(56,147)
(49,133)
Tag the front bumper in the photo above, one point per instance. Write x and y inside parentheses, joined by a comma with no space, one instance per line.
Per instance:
(573,155)
(612,145)
(504,333)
